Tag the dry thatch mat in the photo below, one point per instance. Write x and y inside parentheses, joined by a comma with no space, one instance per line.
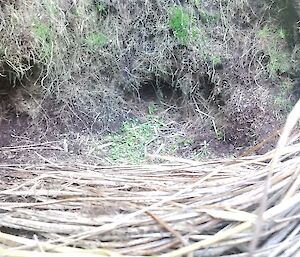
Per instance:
(242,207)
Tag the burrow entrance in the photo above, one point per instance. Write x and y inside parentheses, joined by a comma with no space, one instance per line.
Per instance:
(177,91)
(14,117)
(160,90)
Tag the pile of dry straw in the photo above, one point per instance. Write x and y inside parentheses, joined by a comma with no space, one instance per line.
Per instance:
(241,207)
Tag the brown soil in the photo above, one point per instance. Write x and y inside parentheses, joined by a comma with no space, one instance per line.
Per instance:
(13,128)
(54,139)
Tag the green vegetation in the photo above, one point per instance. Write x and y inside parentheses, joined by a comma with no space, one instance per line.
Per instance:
(89,60)
(286,16)
(128,146)
(220,135)
(281,99)
(197,3)
(208,18)
(204,151)
(274,42)
(186,141)
(100,7)
(181,23)
(152,109)
(216,60)
(96,39)
(179,142)
(43,33)
(52,8)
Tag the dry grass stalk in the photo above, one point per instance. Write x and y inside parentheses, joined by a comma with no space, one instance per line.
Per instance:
(204,208)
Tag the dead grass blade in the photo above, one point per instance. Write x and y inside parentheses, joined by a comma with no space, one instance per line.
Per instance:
(172,209)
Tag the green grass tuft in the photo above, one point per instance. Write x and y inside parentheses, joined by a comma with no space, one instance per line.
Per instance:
(180,22)
(96,39)
(129,145)
(43,35)
(41,30)
(282,98)
(274,39)
(216,60)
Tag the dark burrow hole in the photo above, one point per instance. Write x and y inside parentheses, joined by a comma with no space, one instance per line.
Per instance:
(7,89)
(209,91)
(207,87)
(14,90)
(11,122)
(167,90)
(161,91)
